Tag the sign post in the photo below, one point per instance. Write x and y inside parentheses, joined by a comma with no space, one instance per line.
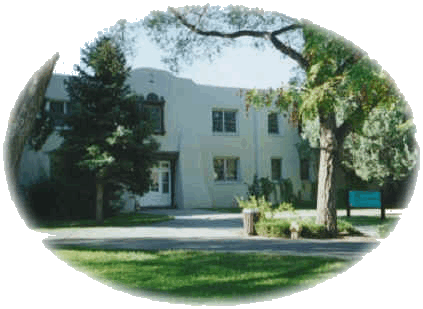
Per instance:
(365,200)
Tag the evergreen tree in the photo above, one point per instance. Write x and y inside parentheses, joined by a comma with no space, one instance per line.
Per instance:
(107,138)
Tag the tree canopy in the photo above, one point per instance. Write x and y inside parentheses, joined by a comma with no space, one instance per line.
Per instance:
(202,32)
(342,84)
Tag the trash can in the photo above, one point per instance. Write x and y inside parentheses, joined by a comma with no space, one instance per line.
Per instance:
(251,216)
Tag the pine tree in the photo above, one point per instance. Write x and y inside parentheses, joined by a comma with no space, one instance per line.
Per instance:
(107,138)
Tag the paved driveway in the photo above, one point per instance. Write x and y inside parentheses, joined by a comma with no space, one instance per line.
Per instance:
(201,230)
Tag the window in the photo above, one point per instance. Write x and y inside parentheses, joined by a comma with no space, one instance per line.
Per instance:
(153,113)
(153,110)
(154,187)
(224,121)
(276,169)
(57,107)
(273,123)
(226,169)
(305,169)
(57,110)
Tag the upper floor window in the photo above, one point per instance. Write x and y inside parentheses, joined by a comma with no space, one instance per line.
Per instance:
(154,113)
(153,110)
(273,123)
(224,121)
(57,107)
(58,111)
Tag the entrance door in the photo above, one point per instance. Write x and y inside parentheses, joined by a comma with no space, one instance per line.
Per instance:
(159,194)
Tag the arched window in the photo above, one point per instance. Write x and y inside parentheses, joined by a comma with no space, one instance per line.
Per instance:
(152,97)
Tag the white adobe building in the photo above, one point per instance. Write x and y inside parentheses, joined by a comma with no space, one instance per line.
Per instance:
(211,148)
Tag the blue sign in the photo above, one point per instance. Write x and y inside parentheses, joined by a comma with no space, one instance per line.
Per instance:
(365,199)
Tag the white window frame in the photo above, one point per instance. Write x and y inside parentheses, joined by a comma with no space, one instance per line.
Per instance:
(224,110)
(225,170)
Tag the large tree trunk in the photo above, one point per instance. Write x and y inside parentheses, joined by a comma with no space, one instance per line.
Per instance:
(21,125)
(326,191)
(22,118)
(99,203)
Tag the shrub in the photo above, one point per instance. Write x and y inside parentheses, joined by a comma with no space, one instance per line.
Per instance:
(313,230)
(274,228)
(261,204)
(285,207)
(59,200)
(287,190)
(280,228)
(261,188)
(42,199)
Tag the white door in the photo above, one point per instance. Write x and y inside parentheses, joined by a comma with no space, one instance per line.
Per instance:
(159,194)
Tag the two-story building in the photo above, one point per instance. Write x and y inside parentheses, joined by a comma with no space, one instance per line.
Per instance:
(211,146)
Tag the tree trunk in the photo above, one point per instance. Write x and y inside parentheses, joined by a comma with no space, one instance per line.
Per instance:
(22,118)
(99,203)
(21,125)
(326,191)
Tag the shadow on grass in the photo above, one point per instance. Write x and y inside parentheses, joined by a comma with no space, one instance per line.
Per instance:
(205,276)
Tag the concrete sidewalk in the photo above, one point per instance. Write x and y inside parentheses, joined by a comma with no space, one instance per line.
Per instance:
(204,230)
(190,223)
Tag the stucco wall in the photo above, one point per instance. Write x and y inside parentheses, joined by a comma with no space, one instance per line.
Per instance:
(188,127)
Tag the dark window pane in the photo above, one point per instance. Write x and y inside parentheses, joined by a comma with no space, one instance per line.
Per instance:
(276,169)
(165,188)
(232,169)
(219,169)
(154,114)
(217,121)
(165,176)
(57,107)
(304,169)
(273,126)
(230,122)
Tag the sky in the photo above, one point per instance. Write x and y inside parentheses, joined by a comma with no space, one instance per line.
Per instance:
(240,67)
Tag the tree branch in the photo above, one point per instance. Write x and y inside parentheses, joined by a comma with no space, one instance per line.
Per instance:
(256,34)
(291,53)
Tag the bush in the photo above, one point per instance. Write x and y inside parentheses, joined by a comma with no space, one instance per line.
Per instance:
(57,200)
(261,204)
(280,228)
(285,207)
(261,188)
(274,228)
(42,199)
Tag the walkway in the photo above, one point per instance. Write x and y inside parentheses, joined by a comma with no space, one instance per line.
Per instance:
(203,230)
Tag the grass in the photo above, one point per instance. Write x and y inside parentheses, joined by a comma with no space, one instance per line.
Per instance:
(122,220)
(234,210)
(203,275)
(384,227)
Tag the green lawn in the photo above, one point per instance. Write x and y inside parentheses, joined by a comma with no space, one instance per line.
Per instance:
(384,227)
(123,220)
(203,275)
